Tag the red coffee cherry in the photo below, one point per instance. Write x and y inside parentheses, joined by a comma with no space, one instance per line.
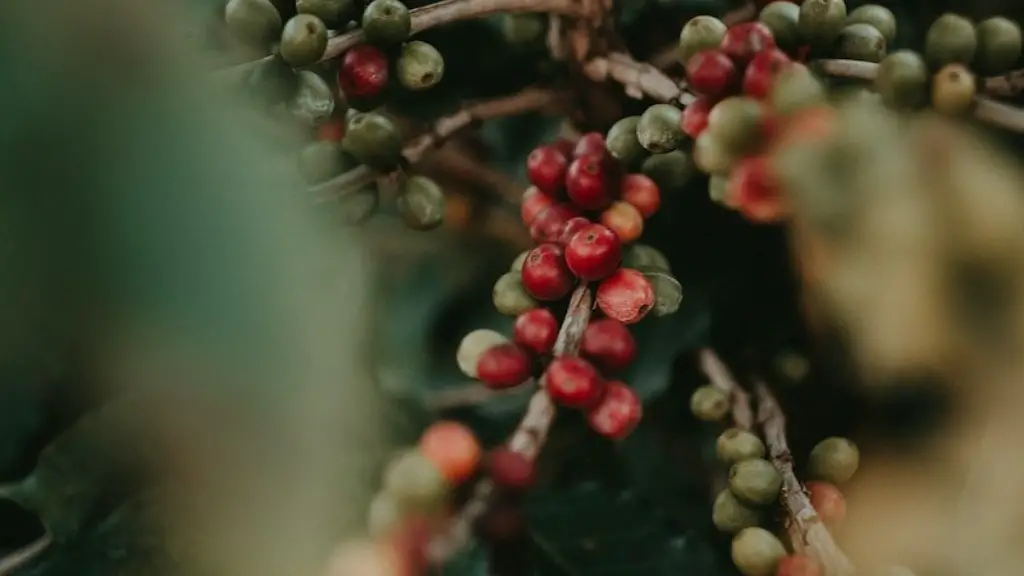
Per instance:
(756,191)
(828,501)
(546,167)
(565,146)
(609,345)
(572,227)
(591,143)
(545,275)
(573,382)
(453,448)
(626,296)
(695,116)
(504,366)
(745,39)
(363,72)
(589,181)
(534,202)
(549,224)
(711,73)
(797,565)
(625,220)
(593,253)
(618,413)
(762,70)
(642,192)
(510,470)
(536,330)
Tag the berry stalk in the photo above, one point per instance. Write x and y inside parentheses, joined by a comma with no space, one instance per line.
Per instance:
(720,377)
(639,79)
(20,558)
(1005,85)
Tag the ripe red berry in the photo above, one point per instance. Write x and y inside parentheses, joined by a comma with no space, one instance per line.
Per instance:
(590,181)
(755,190)
(504,366)
(453,448)
(626,296)
(711,73)
(549,225)
(331,131)
(536,330)
(797,565)
(609,345)
(618,413)
(565,146)
(573,382)
(363,72)
(590,143)
(642,192)
(409,544)
(545,275)
(593,253)
(762,70)
(572,227)
(534,202)
(695,116)
(546,167)
(827,501)
(510,470)
(625,220)
(745,39)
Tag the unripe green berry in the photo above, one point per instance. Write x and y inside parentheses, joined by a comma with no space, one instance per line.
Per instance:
(420,66)
(254,21)
(313,101)
(755,481)
(718,185)
(386,23)
(709,403)
(510,297)
(357,207)
(710,155)
(795,89)
(383,516)
(833,460)
(623,144)
(861,42)
(880,17)
(272,81)
(902,80)
(999,45)
(735,445)
(320,161)
(757,552)
(821,21)
(334,13)
(738,124)
(473,346)
(670,171)
(303,40)
(642,255)
(782,17)
(953,89)
(951,38)
(730,515)
(415,483)
(421,203)
(659,129)
(517,264)
(699,34)
(374,140)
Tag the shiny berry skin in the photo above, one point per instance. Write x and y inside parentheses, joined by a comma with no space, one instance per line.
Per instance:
(331,131)
(828,501)
(545,275)
(761,72)
(574,383)
(534,202)
(504,366)
(609,345)
(536,330)
(549,225)
(546,167)
(755,190)
(510,470)
(593,253)
(626,296)
(642,192)
(625,220)
(363,72)
(710,73)
(590,180)
(745,39)
(453,448)
(695,116)
(618,413)
(797,565)
(590,143)
(572,227)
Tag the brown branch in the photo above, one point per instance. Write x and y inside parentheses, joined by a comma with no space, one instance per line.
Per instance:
(20,558)
(527,439)
(639,79)
(807,532)
(1005,85)
(670,56)
(720,376)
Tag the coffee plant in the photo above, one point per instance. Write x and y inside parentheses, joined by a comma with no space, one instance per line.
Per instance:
(750,233)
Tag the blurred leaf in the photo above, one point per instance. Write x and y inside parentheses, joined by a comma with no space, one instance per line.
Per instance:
(512,139)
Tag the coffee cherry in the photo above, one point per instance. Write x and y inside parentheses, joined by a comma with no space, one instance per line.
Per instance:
(711,156)
(711,73)
(593,253)
(331,131)
(609,345)
(321,161)
(671,171)
(756,190)
(795,89)
(383,516)
(549,225)
(709,403)
(953,89)
(510,469)
(625,220)
(999,45)
(699,34)
(668,292)
(618,413)
(415,483)
(798,565)
(510,296)
(950,39)
(821,21)
(740,124)
(644,256)
(878,17)
(473,346)
(755,481)
(660,128)
(409,543)
(420,66)
(358,206)
(253,21)
(272,81)
(536,331)
(453,448)
(545,275)
(902,80)
(303,40)
(573,227)
(517,264)
(588,144)
(546,167)
(781,18)
(718,190)
(756,551)
(762,70)
(590,181)
(313,101)
(827,501)
(573,382)
(622,142)
(421,203)
(833,460)
(334,13)
(641,191)
(695,116)
(626,296)
(861,42)
(386,23)
(742,41)
(730,515)
(534,202)
(363,72)
(504,366)
(735,445)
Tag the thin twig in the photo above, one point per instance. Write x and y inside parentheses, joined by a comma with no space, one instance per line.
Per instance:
(20,558)
(529,437)
(1005,85)
(670,56)
(720,376)
(807,532)
(639,79)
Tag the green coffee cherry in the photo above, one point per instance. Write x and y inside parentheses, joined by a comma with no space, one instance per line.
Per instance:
(951,38)
(999,45)
(699,34)
(880,17)
(782,17)
(374,140)
(953,89)
(517,264)
(755,481)
(303,40)
(833,460)
(757,552)
(313,102)
(386,23)
(736,445)
(659,129)
(420,66)
(796,89)
(473,346)
(821,21)
(415,483)
(622,142)
(902,80)
(272,81)
(321,161)
(510,297)
(334,13)
(709,403)
(670,171)
(357,207)
(421,203)
(718,186)
(710,155)
(738,124)
(383,516)
(861,42)
(254,21)
(643,255)
(730,515)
